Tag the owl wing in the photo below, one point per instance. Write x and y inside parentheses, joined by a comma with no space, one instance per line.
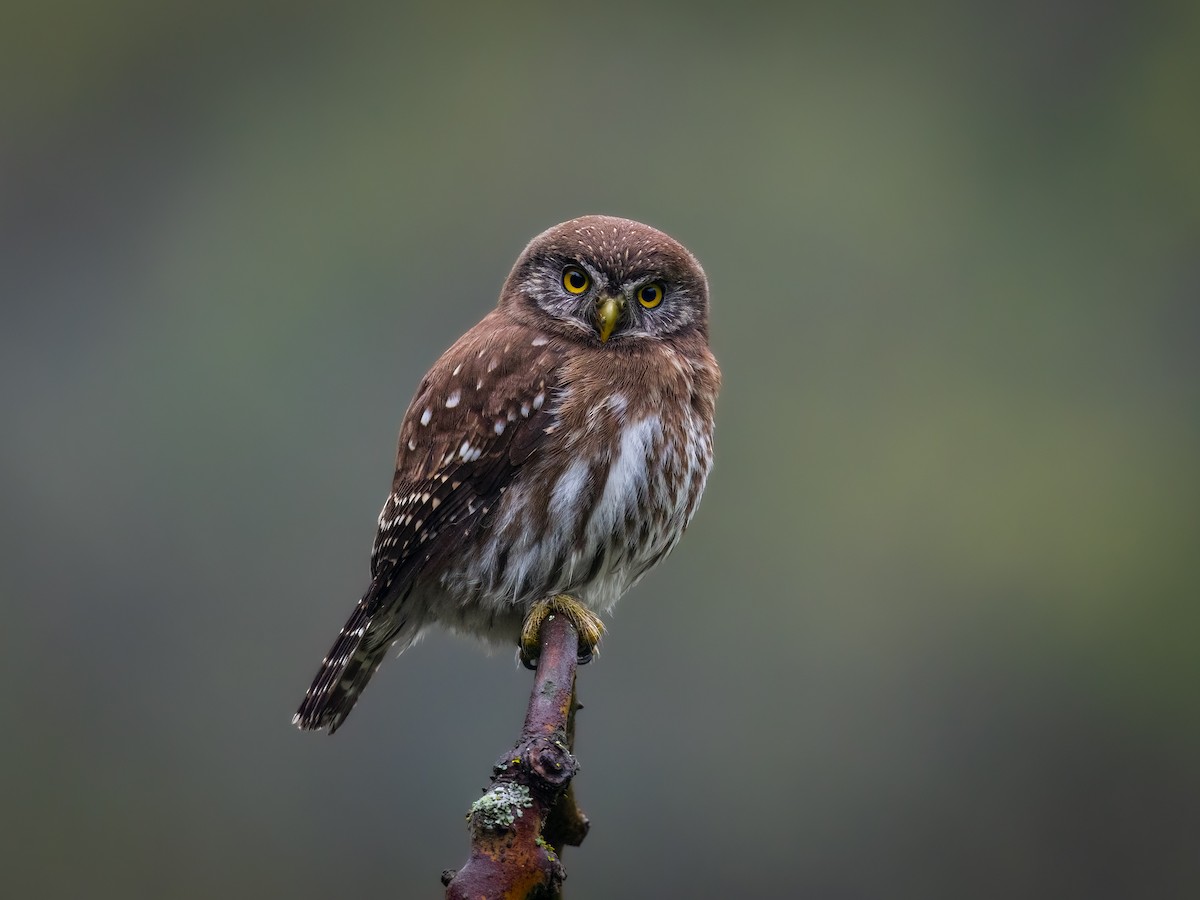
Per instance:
(480,413)
(476,418)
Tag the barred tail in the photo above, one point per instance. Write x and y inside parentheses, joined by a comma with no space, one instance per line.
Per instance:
(349,665)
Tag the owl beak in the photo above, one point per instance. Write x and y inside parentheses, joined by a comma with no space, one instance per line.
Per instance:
(608,313)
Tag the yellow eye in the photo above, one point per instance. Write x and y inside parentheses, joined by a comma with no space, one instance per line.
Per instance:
(650,295)
(575,280)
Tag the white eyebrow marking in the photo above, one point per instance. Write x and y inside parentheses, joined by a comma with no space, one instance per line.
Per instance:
(452,400)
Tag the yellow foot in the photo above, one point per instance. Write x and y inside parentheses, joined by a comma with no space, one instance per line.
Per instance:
(587,625)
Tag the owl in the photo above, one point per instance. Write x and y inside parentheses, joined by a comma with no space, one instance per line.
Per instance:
(551,457)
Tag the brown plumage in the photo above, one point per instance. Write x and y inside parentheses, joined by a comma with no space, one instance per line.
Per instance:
(559,447)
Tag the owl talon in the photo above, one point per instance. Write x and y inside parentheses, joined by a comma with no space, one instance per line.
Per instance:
(529,662)
(587,625)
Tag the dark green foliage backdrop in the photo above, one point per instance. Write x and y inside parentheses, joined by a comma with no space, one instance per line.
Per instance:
(933,633)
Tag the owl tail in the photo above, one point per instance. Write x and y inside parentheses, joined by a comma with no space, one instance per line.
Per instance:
(356,654)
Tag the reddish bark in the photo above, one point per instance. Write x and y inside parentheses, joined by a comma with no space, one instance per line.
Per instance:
(520,825)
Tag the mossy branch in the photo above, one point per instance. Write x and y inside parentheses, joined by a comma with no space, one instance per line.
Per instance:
(521,824)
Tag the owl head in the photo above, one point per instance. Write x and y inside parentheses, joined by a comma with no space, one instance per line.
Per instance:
(604,280)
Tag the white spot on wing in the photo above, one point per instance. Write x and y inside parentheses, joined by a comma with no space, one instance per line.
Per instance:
(452,400)
(540,341)
(426,416)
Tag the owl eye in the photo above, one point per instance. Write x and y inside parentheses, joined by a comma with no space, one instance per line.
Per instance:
(650,295)
(575,280)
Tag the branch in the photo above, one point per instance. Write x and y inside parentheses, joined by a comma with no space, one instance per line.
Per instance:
(520,826)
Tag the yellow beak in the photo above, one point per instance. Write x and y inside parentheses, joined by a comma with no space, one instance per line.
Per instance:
(608,313)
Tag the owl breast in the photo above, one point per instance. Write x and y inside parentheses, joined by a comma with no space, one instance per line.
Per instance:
(609,498)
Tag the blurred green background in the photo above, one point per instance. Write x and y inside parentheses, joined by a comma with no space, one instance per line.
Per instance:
(933,632)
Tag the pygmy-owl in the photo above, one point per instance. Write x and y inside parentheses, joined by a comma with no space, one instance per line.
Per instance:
(549,459)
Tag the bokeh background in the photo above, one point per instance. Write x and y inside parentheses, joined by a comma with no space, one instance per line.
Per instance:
(933,633)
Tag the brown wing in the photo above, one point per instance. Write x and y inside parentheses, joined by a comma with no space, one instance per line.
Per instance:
(478,415)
